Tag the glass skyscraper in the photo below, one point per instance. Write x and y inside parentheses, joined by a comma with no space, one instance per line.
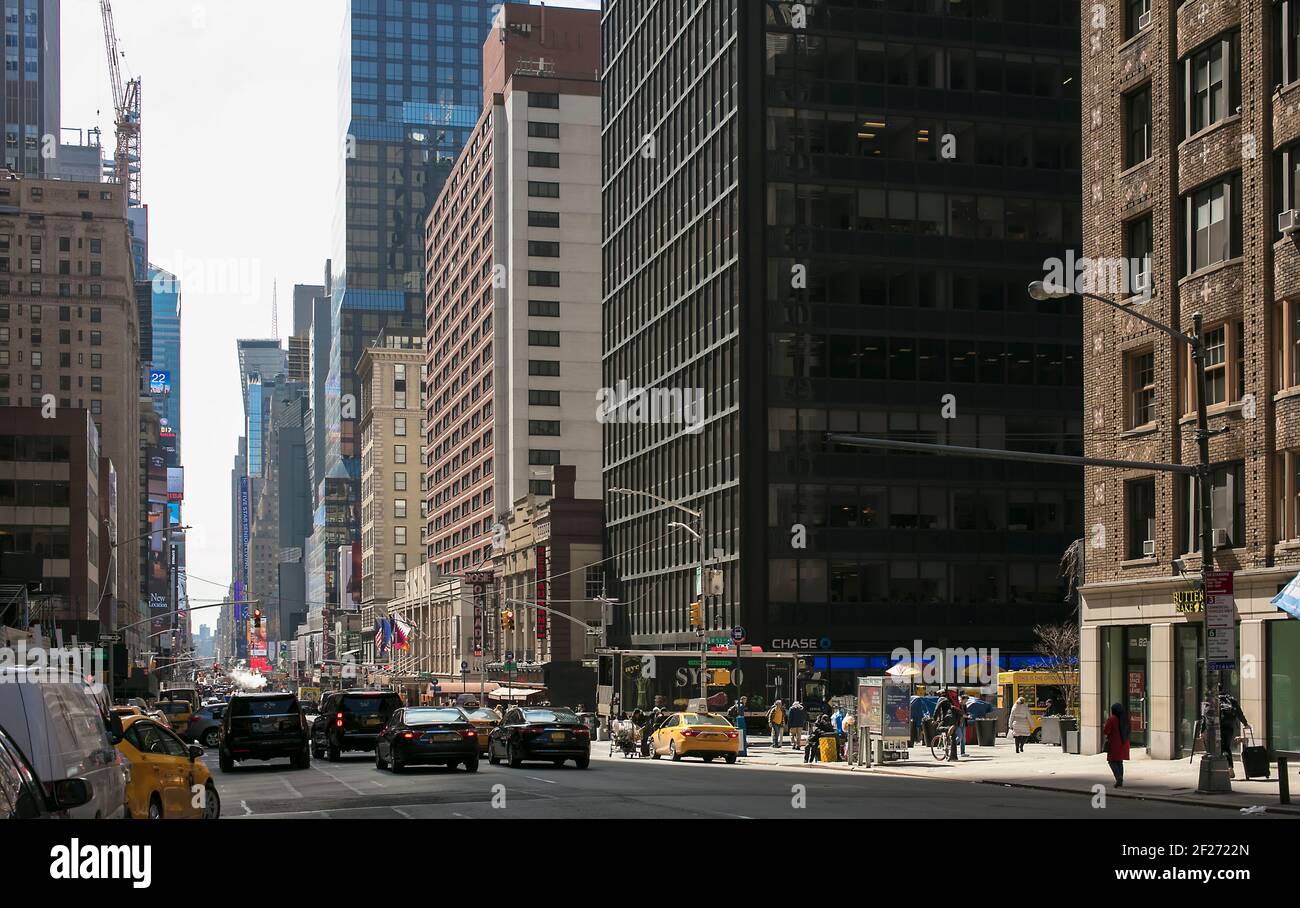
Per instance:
(32,87)
(165,371)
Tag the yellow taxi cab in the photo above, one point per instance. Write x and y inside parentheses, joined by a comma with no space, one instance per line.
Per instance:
(696,735)
(484,720)
(178,713)
(167,778)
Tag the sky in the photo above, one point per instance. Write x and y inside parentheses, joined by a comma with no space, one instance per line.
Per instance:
(239,168)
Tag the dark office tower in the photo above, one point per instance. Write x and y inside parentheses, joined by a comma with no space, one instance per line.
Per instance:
(31,100)
(828,225)
(410,93)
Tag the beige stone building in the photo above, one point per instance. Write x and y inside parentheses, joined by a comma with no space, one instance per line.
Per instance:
(69,331)
(1191,170)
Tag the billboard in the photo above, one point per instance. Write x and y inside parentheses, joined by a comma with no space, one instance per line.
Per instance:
(241,569)
(175,483)
(160,382)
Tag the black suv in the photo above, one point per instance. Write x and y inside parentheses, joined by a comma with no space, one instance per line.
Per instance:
(351,720)
(263,727)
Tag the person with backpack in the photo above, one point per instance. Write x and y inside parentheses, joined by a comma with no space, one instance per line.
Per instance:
(798,720)
(776,718)
(1115,736)
(1232,721)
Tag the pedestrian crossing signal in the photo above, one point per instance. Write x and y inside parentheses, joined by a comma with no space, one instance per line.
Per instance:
(257,618)
(507,620)
(697,615)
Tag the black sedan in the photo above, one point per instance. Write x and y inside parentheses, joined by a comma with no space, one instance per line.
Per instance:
(427,736)
(540,734)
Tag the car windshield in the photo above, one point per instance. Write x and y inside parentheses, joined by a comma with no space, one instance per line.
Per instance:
(550,715)
(174,709)
(705,720)
(370,706)
(263,706)
(486,714)
(432,716)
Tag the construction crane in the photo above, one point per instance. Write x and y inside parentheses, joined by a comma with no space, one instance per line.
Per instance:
(126,103)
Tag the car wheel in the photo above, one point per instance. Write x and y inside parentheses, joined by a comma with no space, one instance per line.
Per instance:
(471,765)
(316,750)
(512,757)
(211,802)
(583,762)
(379,761)
(155,808)
(493,759)
(672,751)
(225,762)
(708,759)
(397,764)
(731,758)
(211,738)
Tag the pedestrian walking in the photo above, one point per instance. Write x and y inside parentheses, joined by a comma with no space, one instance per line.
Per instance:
(776,719)
(1115,740)
(798,720)
(737,716)
(1232,720)
(1020,724)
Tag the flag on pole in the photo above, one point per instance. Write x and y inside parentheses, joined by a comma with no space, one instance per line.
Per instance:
(401,634)
(383,634)
(1289,599)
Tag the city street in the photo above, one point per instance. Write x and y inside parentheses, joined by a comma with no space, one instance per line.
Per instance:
(642,789)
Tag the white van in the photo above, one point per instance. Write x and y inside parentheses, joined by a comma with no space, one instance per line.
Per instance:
(60,729)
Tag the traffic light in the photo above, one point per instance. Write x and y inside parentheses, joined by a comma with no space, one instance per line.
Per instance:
(507,620)
(697,615)
(257,617)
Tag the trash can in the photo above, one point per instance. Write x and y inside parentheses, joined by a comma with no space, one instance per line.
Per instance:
(986,732)
(1069,724)
(829,749)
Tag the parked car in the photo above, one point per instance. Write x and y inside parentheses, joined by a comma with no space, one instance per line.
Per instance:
(703,735)
(205,725)
(22,797)
(427,735)
(351,720)
(540,734)
(167,775)
(259,726)
(61,730)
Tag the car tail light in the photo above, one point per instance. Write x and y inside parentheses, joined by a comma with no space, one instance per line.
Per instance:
(470,733)
(733,734)
(689,733)
(338,720)
(408,734)
(582,732)
(532,730)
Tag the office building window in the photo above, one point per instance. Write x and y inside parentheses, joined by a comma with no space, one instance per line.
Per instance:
(1140,500)
(544,308)
(544,99)
(543,159)
(1211,84)
(1286,335)
(543,279)
(541,190)
(543,398)
(539,487)
(1138,239)
(543,458)
(399,535)
(1137,126)
(399,561)
(594,581)
(544,367)
(1227,508)
(543,338)
(544,249)
(1287,478)
(543,427)
(1212,218)
(1225,367)
(543,219)
(399,482)
(1134,18)
(538,130)
(1286,40)
(399,508)
(399,426)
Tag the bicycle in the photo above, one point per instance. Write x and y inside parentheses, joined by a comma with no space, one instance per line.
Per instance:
(941,744)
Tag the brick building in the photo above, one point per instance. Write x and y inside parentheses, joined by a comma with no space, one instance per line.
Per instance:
(1191,144)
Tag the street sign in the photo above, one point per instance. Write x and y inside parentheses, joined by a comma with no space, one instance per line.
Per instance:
(464,666)
(1220,621)
(109,638)
(738,634)
(510,656)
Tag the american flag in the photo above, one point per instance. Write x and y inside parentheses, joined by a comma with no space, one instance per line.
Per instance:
(381,636)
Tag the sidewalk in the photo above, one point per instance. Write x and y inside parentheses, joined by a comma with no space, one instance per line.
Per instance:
(1044,766)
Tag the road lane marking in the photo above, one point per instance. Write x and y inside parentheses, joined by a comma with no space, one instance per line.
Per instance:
(247,811)
(403,813)
(293,791)
(347,785)
(539,779)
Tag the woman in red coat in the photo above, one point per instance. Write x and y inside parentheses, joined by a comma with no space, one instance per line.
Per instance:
(1115,735)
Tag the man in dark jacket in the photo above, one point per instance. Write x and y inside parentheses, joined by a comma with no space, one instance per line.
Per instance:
(822,728)
(1232,720)
(797,716)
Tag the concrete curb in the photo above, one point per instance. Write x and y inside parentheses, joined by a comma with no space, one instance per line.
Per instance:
(1290,810)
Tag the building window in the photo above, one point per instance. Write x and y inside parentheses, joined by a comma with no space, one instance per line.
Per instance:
(1287,344)
(1140,499)
(1227,508)
(1137,126)
(1138,239)
(543,338)
(1213,224)
(399,561)
(540,487)
(540,190)
(1286,185)
(544,367)
(543,398)
(544,249)
(544,308)
(1288,493)
(399,453)
(1286,40)
(1211,84)
(399,535)
(542,458)
(399,426)
(399,507)
(1225,366)
(538,130)
(543,427)
(594,581)
(543,279)
(399,589)
(543,219)
(543,159)
(399,482)
(1134,11)
(1141,379)
(550,100)
(96,339)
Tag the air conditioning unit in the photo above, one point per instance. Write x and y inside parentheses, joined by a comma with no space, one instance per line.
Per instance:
(1220,538)
(1144,20)
(1149,547)
(1288,222)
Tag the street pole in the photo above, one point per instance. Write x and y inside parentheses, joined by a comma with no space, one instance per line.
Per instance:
(704,634)
(1212,779)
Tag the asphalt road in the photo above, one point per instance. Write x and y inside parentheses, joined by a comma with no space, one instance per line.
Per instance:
(643,789)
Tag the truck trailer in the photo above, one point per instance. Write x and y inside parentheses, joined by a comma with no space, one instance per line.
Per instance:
(632,679)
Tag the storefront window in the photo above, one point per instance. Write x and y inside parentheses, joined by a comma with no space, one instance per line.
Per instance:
(1189,684)
(1125,669)
(1283,678)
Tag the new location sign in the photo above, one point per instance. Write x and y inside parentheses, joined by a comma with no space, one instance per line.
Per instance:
(1220,621)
